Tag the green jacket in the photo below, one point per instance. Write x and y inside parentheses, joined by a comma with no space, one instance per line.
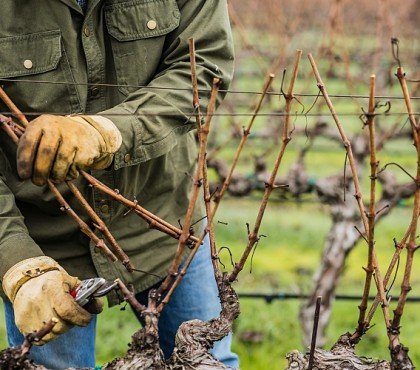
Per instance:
(51,57)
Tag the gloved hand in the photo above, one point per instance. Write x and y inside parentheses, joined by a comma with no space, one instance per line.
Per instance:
(55,147)
(39,289)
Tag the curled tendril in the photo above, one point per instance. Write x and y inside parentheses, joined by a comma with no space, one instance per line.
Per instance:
(388,293)
(230,256)
(364,117)
(253,251)
(345,176)
(399,166)
(396,50)
(307,112)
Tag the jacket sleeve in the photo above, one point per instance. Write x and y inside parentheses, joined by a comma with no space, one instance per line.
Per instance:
(152,118)
(15,242)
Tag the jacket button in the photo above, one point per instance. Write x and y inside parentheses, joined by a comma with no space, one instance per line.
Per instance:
(127,158)
(28,64)
(94,91)
(151,25)
(104,208)
(86,31)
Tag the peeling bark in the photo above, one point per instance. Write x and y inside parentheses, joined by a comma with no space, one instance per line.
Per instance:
(193,341)
(144,352)
(12,359)
(341,357)
(400,358)
(195,338)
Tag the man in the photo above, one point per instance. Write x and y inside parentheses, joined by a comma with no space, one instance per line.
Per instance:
(65,57)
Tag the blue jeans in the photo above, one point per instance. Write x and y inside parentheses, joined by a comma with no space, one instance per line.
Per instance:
(195,298)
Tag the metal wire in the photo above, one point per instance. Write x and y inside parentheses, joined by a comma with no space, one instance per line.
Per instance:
(249,92)
(269,298)
(220,114)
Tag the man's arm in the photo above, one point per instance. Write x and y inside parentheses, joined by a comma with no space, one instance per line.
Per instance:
(38,287)
(152,118)
(15,242)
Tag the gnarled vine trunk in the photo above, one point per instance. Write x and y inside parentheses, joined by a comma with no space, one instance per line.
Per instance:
(341,357)
(193,341)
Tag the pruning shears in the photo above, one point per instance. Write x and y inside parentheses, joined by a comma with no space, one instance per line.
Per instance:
(92,288)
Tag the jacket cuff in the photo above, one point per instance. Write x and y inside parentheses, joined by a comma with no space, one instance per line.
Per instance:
(133,149)
(129,126)
(106,128)
(24,271)
(16,249)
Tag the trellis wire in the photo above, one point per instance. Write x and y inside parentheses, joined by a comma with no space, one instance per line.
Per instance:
(269,298)
(192,114)
(248,92)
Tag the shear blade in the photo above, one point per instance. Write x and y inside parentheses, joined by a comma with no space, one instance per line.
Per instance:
(105,289)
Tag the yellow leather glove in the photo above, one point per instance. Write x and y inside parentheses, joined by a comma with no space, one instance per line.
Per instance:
(39,289)
(55,147)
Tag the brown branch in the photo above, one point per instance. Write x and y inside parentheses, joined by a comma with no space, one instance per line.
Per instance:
(100,225)
(209,228)
(358,194)
(153,220)
(403,83)
(362,324)
(5,124)
(13,108)
(174,278)
(253,236)
(197,182)
(203,136)
(84,228)
(185,234)
(201,157)
(399,354)
(130,297)
(395,257)
(194,82)
(414,219)
(207,201)
(36,336)
(314,333)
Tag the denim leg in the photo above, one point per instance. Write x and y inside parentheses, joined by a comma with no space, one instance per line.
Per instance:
(75,348)
(195,298)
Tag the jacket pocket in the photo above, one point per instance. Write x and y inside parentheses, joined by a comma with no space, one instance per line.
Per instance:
(137,29)
(35,73)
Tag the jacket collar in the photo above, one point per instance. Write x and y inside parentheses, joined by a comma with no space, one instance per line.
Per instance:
(74,5)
